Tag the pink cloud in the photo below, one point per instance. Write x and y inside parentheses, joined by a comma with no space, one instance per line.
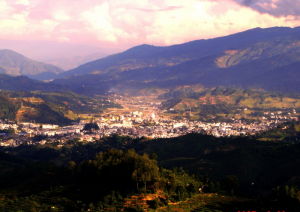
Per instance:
(124,23)
(274,7)
(170,8)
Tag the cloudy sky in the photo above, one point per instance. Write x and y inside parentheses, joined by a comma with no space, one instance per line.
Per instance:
(56,28)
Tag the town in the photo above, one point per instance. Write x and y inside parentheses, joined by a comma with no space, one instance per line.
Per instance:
(134,124)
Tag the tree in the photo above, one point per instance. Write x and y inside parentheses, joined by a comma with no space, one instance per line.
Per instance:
(122,171)
(89,127)
(145,171)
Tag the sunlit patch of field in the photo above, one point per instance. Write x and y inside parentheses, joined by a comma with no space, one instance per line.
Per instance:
(202,202)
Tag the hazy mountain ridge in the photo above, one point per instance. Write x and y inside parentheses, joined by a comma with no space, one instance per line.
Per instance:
(258,58)
(186,51)
(23,83)
(15,64)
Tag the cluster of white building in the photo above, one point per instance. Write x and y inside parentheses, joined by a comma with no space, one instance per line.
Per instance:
(134,124)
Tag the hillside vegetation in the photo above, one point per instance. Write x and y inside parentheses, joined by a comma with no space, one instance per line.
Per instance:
(45,107)
(227,102)
(238,173)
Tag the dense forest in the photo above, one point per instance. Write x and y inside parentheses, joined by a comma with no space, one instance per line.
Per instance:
(120,173)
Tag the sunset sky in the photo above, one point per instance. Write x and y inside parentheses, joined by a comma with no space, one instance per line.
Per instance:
(45,29)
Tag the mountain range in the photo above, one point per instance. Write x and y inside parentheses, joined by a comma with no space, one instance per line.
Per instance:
(15,64)
(258,58)
(24,83)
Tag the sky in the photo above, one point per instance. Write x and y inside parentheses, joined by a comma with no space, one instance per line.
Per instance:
(50,30)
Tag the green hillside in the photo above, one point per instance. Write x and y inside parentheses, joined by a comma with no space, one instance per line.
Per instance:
(8,109)
(43,107)
(227,102)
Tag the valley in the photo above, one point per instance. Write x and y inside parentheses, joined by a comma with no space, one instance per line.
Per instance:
(221,112)
(207,125)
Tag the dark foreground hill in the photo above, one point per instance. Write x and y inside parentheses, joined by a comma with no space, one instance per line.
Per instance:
(242,173)
(258,58)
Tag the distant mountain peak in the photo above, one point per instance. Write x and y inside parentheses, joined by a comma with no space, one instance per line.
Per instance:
(15,64)
(9,52)
(141,48)
(265,58)
(145,46)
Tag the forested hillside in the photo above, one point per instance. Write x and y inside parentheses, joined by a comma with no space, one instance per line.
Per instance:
(226,103)
(45,107)
(225,174)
